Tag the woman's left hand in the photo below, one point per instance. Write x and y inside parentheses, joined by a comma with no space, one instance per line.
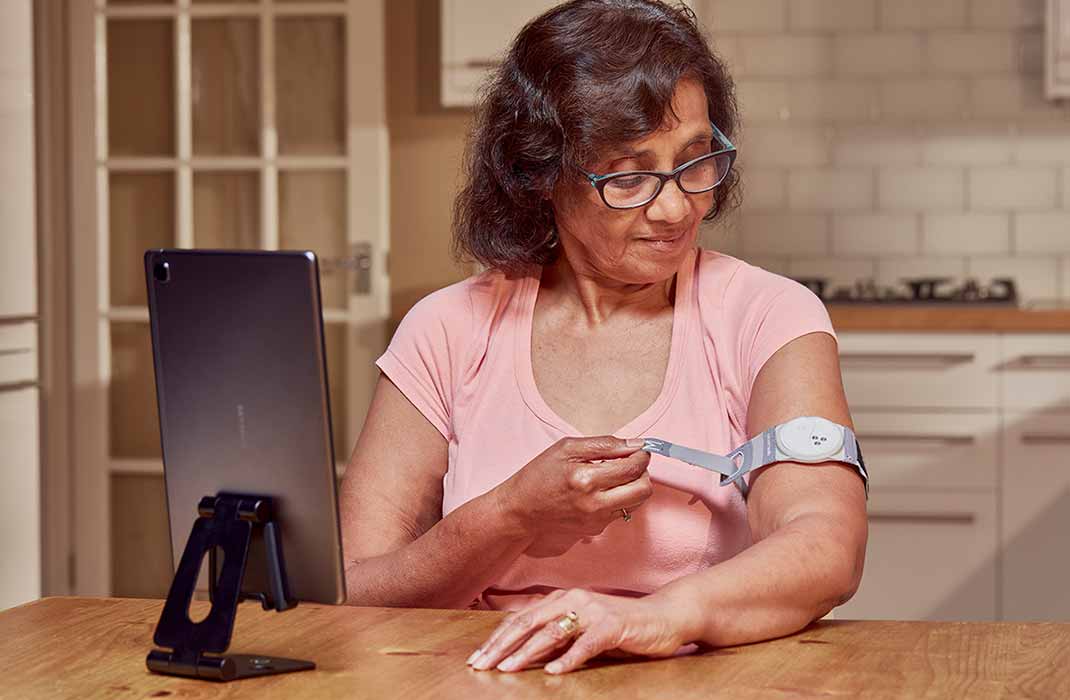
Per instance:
(642,626)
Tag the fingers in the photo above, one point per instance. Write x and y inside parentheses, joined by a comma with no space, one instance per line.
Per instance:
(515,630)
(601,447)
(587,646)
(611,473)
(630,495)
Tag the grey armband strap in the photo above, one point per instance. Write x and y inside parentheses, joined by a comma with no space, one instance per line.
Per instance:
(808,439)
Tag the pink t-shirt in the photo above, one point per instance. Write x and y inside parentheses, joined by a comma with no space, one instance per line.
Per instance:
(462,357)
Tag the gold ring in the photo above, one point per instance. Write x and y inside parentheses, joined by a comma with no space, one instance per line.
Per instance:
(625,515)
(569,622)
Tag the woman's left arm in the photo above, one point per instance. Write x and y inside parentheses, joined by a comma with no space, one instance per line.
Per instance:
(809,529)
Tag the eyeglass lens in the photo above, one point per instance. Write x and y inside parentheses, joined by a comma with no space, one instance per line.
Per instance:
(629,190)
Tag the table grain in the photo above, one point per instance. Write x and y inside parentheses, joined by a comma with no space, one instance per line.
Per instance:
(95,648)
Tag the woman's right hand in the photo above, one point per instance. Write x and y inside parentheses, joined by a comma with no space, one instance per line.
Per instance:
(575,489)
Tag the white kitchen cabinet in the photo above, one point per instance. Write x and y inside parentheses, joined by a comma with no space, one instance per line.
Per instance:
(1057,49)
(1035,371)
(20,497)
(945,371)
(1035,535)
(925,450)
(475,35)
(931,556)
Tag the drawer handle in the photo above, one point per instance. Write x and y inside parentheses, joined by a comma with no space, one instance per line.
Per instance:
(10,387)
(907,437)
(5,352)
(925,518)
(1041,362)
(897,358)
(1045,439)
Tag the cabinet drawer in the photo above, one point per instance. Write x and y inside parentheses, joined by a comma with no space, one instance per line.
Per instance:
(1035,371)
(1036,516)
(920,370)
(18,353)
(930,557)
(921,450)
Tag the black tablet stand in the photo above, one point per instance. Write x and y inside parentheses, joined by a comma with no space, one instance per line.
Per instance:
(226,521)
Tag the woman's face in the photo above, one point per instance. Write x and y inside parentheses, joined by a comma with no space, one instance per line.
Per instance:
(646,244)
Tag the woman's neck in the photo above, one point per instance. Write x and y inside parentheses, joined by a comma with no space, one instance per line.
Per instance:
(585,293)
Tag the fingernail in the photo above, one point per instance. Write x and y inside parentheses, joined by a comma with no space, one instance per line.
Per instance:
(480,664)
(634,442)
(553,667)
(474,656)
(507,665)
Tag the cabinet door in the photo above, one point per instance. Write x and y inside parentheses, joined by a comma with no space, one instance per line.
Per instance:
(925,450)
(20,519)
(920,370)
(475,34)
(1035,371)
(1036,516)
(931,556)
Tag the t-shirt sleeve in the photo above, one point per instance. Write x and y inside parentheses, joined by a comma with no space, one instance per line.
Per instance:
(783,310)
(422,359)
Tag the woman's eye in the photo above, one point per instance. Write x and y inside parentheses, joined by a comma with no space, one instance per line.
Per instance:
(627,183)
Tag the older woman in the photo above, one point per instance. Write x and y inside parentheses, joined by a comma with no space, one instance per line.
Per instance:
(500,464)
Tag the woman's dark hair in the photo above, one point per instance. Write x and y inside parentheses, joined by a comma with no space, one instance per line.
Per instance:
(585,75)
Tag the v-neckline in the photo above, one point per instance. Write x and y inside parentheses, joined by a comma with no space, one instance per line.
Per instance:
(525,373)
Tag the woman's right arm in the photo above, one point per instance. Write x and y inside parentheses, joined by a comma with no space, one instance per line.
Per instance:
(398,549)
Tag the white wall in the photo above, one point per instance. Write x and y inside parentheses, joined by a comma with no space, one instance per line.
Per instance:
(889,138)
(20,498)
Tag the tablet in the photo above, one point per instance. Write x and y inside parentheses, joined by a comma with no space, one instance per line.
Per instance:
(241,385)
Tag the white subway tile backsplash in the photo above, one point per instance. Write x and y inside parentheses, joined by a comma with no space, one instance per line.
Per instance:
(892,271)
(785,145)
(922,189)
(1004,14)
(874,234)
(1035,277)
(1043,145)
(968,146)
(1019,98)
(840,101)
(838,271)
(830,189)
(786,55)
(779,265)
(877,145)
(879,54)
(832,15)
(746,15)
(764,189)
(896,137)
(922,14)
(966,234)
(1012,188)
(763,101)
(1064,278)
(1041,232)
(785,234)
(924,99)
(972,53)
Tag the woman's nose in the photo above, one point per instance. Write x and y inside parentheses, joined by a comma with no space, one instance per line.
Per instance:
(671,205)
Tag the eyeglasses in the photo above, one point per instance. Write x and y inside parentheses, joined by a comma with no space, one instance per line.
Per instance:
(636,188)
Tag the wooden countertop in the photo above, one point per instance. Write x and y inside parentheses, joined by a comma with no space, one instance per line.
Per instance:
(883,317)
(95,647)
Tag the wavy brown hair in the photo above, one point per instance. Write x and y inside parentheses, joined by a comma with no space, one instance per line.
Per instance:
(586,75)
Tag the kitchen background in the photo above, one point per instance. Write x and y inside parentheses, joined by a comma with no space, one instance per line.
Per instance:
(882,140)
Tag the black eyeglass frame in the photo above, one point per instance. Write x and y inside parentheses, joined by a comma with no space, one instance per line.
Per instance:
(599,181)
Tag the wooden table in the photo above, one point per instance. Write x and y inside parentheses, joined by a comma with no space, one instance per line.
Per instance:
(95,648)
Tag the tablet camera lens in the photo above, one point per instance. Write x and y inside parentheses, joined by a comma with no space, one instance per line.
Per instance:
(162,272)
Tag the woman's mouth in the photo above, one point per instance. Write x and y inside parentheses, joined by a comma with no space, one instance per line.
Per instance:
(664,243)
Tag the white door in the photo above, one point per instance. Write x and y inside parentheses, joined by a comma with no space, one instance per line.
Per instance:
(257,124)
(20,476)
